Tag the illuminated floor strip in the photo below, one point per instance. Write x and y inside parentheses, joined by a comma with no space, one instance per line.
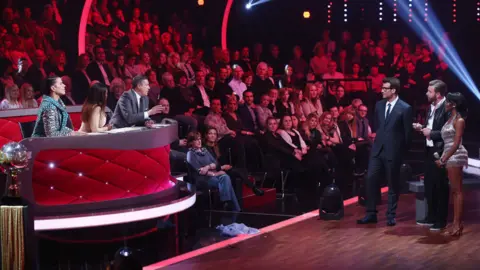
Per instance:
(241,238)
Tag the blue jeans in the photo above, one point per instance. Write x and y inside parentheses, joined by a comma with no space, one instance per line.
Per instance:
(225,188)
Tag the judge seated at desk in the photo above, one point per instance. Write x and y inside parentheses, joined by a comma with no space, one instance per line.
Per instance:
(132,107)
(53,119)
(94,118)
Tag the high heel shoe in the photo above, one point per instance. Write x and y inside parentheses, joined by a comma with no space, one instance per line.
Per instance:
(456,231)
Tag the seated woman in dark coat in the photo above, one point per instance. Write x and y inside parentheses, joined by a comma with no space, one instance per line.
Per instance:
(313,163)
(253,151)
(52,118)
(317,150)
(208,170)
(358,147)
(278,153)
(211,143)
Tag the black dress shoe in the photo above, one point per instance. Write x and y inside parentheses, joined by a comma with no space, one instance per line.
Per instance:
(258,191)
(438,226)
(368,220)
(228,206)
(425,222)
(391,222)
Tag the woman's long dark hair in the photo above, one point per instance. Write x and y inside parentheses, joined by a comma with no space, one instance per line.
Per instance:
(120,69)
(49,82)
(97,96)
(460,103)
(215,146)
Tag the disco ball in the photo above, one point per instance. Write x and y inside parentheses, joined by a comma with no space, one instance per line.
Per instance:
(20,157)
(15,154)
(7,150)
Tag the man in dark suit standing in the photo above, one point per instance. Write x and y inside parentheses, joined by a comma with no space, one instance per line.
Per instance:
(132,106)
(394,131)
(98,70)
(435,179)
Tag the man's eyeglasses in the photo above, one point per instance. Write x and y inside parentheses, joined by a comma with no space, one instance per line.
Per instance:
(384,89)
(362,110)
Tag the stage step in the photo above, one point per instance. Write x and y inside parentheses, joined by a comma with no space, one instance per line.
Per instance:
(250,200)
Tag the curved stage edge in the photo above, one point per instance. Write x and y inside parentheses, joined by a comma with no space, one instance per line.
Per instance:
(101,179)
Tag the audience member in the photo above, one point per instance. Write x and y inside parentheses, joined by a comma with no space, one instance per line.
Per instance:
(339,100)
(236,83)
(263,112)
(12,98)
(117,87)
(311,102)
(68,97)
(247,112)
(226,137)
(80,79)
(284,105)
(261,84)
(99,70)
(27,96)
(208,170)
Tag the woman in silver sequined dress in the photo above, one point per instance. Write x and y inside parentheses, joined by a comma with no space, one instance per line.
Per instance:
(455,156)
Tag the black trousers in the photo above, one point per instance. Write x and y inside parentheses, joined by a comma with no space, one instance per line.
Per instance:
(239,178)
(436,189)
(237,151)
(381,167)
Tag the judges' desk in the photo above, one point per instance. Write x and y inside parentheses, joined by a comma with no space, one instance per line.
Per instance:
(101,179)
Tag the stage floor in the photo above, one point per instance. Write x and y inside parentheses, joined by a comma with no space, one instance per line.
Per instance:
(315,244)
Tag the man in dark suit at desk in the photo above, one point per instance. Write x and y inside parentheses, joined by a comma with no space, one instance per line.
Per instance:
(394,131)
(132,106)
(435,179)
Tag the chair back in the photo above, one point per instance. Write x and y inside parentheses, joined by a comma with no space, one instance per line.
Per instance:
(190,173)
(27,129)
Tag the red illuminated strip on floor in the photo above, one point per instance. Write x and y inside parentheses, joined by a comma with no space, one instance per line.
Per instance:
(241,238)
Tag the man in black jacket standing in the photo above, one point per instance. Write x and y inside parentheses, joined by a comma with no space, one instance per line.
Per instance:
(435,179)
(393,136)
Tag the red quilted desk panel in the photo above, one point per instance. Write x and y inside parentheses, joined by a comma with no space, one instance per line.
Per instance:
(77,176)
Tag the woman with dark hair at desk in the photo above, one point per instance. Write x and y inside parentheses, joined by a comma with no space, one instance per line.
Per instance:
(208,170)
(53,119)
(94,118)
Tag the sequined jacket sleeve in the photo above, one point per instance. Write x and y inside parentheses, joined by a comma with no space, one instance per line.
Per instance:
(51,124)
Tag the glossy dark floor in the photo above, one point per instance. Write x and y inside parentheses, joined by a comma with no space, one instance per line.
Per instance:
(316,244)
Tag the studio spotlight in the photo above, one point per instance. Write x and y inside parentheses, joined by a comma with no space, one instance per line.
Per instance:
(331,202)
(125,259)
(201,2)
(306,14)
(248,6)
